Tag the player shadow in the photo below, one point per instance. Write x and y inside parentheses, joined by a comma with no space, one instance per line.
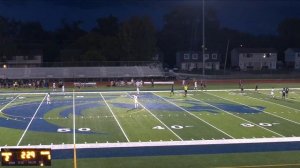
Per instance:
(133,109)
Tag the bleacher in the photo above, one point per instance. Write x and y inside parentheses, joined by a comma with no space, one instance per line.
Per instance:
(81,72)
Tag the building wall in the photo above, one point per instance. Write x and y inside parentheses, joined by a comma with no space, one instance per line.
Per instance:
(24,61)
(234,58)
(292,58)
(193,60)
(289,55)
(297,61)
(257,61)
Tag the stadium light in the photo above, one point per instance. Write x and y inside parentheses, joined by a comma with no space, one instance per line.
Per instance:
(4,71)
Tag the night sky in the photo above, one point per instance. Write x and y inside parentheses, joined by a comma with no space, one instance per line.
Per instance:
(253,16)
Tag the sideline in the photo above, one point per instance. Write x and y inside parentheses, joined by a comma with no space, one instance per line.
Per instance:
(165,143)
(133,91)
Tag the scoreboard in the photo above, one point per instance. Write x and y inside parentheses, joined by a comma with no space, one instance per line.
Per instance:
(25,157)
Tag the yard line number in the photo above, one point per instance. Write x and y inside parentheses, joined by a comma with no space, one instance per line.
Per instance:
(173,127)
(261,124)
(62,130)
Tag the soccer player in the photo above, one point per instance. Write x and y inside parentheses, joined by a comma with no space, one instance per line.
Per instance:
(256,88)
(15,85)
(201,84)
(48,99)
(136,104)
(54,86)
(137,87)
(242,89)
(63,88)
(287,92)
(272,93)
(195,85)
(152,82)
(283,93)
(185,87)
(172,90)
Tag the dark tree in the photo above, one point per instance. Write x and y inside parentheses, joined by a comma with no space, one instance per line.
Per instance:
(138,39)
(107,26)
(289,32)
(183,30)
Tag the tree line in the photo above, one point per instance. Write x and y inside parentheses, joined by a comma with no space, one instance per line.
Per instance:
(137,38)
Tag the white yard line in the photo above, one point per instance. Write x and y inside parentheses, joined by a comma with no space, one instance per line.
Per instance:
(74,125)
(195,116)
(276,103)
(238,117)
(293,100)
(9,103)
(159,120)
(115,118)
(296,92)
(295,122)
(31,121)
(151,91)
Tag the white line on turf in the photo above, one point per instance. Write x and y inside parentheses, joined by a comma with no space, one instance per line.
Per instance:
(165,143)
(295,122)
(195,116)
(115,118)
(276,103)
(238,117)
(74,126)
(159,120)
(9,103)
(151,91)
(31,121)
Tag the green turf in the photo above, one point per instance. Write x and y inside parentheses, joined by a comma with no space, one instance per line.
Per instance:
(263,159)
(201,115)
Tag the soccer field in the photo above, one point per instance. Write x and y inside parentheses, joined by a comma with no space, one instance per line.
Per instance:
(108,120)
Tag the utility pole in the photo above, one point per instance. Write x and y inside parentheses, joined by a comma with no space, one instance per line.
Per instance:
(226,55)
(203,39)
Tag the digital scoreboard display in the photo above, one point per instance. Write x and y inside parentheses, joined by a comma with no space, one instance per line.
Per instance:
(25,157)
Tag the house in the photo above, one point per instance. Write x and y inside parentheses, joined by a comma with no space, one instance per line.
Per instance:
(292,58)
(32,58)
(254,58)
(192,60)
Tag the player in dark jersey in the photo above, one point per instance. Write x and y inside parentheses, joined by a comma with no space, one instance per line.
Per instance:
(283,93)
(172,90)
(287,92)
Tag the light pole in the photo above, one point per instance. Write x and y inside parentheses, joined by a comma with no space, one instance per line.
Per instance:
(226,55)
(262,61)
(4,71)
(203,39)
(4,75)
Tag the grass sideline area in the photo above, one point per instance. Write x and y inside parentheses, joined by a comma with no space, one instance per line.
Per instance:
(263,159)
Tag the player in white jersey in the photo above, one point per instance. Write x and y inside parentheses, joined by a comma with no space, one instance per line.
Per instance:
(63,88)
(54,86)
(138,84)
(272,93)
(195,85)
(136,104)
(48,99)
